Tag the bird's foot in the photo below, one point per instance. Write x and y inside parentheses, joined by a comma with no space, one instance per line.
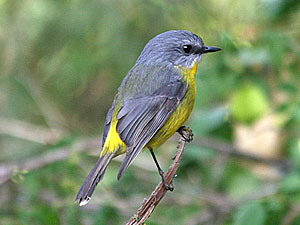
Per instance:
(169,187)
(186,133)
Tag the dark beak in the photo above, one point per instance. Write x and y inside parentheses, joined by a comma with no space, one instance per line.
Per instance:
(208,49)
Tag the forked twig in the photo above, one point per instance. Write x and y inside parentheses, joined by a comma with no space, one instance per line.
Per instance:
(149,204)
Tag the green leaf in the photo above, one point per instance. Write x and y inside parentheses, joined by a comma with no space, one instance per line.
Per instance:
(248,103)
(250,214)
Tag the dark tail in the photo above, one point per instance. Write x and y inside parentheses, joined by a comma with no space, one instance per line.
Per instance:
(94,177)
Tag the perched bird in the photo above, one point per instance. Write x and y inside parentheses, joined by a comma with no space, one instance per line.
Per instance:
(152,103)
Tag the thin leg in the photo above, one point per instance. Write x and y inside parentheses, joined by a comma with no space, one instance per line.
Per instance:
(186,133)
(161,172)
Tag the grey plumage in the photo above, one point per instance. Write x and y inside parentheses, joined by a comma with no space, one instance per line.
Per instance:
(94,177)
(147,97)
(148,119)
(166,48)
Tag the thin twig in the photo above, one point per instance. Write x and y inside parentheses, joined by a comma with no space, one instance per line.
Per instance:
(8,169)
(29,132)
(226,148)
(91,145)
(291,215)
(149,204)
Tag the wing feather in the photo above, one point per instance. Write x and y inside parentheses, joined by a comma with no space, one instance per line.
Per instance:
(145,116)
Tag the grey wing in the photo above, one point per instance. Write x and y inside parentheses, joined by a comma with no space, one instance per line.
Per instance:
(139,119)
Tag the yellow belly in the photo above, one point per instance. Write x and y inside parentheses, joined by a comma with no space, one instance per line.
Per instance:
(181,114)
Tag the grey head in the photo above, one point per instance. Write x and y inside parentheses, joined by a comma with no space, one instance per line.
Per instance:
(176,47)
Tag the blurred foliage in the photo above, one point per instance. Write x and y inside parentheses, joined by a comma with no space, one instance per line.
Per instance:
(248,103)
(61,63)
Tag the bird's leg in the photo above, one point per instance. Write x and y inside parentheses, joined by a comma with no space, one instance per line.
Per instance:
(161,172)
(186,133)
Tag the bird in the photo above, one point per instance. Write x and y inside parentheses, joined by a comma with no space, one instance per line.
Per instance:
(153,102)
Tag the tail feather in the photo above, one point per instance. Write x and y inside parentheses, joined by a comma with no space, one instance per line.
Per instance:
(94,177)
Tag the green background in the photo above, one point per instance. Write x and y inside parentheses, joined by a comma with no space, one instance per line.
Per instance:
(61,64)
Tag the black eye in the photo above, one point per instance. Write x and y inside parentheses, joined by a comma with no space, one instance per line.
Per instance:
(187,49)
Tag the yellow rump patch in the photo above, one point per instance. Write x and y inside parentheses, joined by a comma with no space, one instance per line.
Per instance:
(113,140)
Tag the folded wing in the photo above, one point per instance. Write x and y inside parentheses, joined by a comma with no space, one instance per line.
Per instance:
(140,118)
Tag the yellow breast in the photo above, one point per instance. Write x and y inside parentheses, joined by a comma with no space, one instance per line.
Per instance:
(181,114)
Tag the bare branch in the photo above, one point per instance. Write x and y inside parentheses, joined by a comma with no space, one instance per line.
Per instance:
(292,214)
(30,132)
(62,153)
(226,148)
(7,170)
(149,204)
